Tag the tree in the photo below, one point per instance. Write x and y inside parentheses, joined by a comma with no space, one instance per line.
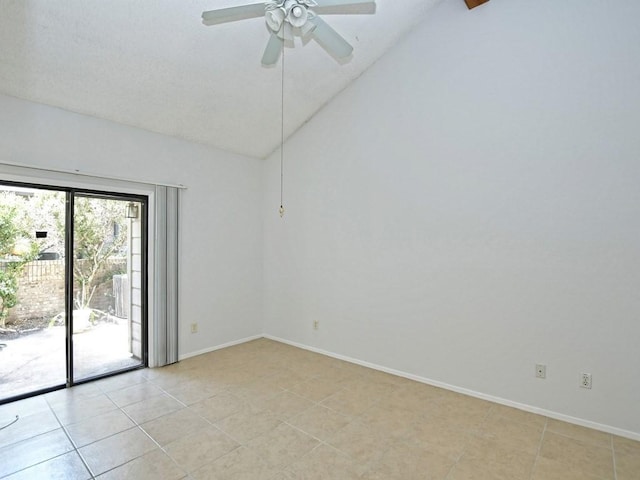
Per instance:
(16,249)
(100,233)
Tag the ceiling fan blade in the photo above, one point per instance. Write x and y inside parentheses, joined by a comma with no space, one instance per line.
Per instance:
(232,14)
(345,7)
(272,52)
(331,40)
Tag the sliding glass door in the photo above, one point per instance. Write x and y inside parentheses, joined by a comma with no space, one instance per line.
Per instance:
(32,290)
(107,285)
(72,287)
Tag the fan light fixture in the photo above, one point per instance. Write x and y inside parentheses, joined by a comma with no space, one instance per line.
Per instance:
(283,16)
(289,18)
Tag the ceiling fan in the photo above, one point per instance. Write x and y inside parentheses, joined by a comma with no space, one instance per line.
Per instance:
(288,18)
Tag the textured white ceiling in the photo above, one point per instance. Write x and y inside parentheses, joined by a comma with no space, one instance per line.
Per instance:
(152,64)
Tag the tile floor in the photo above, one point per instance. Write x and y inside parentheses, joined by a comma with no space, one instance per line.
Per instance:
(264,410)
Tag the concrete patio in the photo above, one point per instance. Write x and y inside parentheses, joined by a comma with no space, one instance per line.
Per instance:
(37,360)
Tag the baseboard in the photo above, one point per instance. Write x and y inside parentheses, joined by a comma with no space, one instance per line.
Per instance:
(472,393)
(218,347)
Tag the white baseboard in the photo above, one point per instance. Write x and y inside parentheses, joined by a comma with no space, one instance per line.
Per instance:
(218,347)
(472,393)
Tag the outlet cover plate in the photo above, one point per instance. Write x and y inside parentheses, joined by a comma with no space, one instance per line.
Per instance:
(541,371)
(585,380)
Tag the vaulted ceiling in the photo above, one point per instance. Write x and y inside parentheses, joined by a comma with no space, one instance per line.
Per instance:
(152,64)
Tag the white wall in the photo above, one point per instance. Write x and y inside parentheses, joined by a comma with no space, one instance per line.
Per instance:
(221,232)
(470,207)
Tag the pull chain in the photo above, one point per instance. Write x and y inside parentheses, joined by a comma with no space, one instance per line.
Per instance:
(281,211)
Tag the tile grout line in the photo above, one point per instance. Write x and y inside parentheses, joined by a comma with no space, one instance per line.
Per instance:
(209,422)
(535,462)
(135,425)
(73,443)
(464,450)
(139,425)
(320,443)
(613,453)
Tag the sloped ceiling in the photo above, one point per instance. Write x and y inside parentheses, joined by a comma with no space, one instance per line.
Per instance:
(152,64)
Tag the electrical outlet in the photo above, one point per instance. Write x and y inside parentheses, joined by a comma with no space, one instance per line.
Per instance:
(316,324)
(541,371)
(194,328)
(585,380)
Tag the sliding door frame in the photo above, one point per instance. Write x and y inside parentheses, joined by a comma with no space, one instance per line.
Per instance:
(70,195)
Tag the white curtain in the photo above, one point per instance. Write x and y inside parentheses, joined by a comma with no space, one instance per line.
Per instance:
(165,321)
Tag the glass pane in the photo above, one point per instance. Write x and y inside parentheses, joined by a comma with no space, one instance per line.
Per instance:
(32,290)
(107,315)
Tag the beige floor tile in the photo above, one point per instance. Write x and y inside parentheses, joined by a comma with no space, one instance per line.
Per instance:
(338,373)
(116,450)
(578,432)
(81,408)
(511,435)
(282,446)
(193,391)
(287,379)
(282,475)
(246,424)
(422,390)
(165,378)
(577,455)
(133,394)
(233,377)
(263,367)
(287,404)
(366,385)
(316,389)
(155,465)
(174,425)
(439,436)
(25,407)
(194,451)
(378,376)
(361,442)
(27,426)
(240,464)
(218,407)
(124,380)
(393,422)
(258,391)
(320,422)
(323,463)
(26,453)
(354,368)
(625,445)
(97,428)
(415,397)
(546,469)
(310,366)
(154,407)
(519,416)
(84,391)
(628,466)
(65,467)
(349,402)
(409,462)
(458,409)
(487,459)
(627,455)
